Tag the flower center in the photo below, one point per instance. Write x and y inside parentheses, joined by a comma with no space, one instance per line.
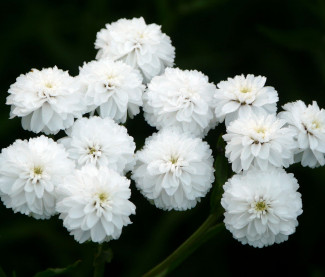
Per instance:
(103,197)
(38,170)
(36,174)
(140,35)
(174,160)
(260,206)
(245,90)
(48,85)
(47,91)
(316,124)
(260,130)
(189,94)
(94,151)
(111,82)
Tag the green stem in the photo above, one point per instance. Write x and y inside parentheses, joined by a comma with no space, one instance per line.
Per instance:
(103,255)
(188,247)
(99,266)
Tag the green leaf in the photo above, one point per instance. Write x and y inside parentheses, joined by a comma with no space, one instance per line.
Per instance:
(2,273)
(56,271)
(221,175)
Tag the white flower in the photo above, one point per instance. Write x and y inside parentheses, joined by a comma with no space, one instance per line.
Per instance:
(174,170)
(100,142)
(182,99)
(140,45)
(261,207)
(239,95)
(114,89)
(94,204)
(48,100)
(308,124)
(260,141)
(29,172)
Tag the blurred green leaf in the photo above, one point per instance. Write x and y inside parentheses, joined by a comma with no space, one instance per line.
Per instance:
(2,273)
(56,271)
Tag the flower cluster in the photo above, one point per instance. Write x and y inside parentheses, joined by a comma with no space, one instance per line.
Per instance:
(81,176)
(261,201)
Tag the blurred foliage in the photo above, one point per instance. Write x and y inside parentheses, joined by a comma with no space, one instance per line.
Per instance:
(283,40)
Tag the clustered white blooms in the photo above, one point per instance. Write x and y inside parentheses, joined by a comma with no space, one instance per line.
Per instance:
(94,204)
(239,95)
(101,142)
(29,173)
(174,169)
(113,89)
(81,176)
(47,100)
(308,124)
(261,207)
(137,44)
(260,141)
(182,99)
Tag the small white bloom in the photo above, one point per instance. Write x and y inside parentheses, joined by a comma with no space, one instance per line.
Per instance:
(100,142)
(29,172)
(114,89)
(94,204)
(174,170)
(308,124)
(261,207)
(239,95)
(140,45)
(182,99)
(260,141)
(48,100)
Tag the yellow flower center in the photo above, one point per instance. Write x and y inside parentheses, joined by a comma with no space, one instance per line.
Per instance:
(49,85)
(244,90)
(316,124)
(261,130)
(261,206)
(103,196)
(38,170)
(92,150)
(173,160)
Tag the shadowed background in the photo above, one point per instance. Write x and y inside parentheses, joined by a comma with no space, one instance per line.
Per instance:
(282,40)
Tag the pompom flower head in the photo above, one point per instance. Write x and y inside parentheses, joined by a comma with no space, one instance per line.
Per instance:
(239,95)
(181,99)
(261,207)
(174,170)
(100,142)
(260,141)
(29,173)
(308,124)
(111,88)
(94,204)
(47,100)
(140,45)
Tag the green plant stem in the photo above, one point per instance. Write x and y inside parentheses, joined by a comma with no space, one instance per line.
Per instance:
(99,266)
(207,230)
(103,256)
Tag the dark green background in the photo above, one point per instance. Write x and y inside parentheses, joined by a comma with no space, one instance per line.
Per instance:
(282,40)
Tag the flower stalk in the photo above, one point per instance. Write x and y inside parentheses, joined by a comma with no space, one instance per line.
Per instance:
(207,230)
